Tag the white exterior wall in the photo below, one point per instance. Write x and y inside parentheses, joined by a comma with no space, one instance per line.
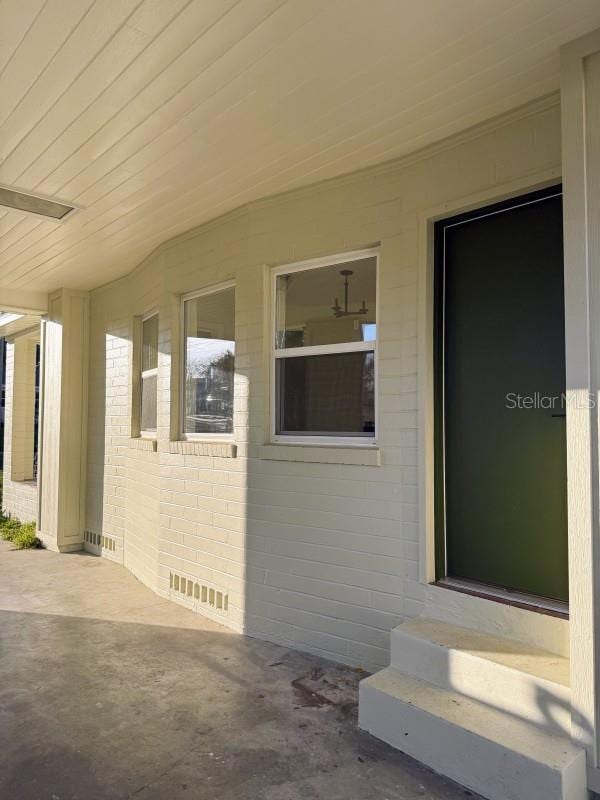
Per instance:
(20,492)
(326,557)
(580,90)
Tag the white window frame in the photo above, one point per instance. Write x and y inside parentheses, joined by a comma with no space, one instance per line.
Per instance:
(148,373)
(195,437)
(315,350)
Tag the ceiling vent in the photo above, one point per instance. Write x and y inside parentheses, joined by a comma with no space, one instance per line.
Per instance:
(33,205)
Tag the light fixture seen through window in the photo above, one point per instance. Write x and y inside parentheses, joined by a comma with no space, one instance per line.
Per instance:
(345,311)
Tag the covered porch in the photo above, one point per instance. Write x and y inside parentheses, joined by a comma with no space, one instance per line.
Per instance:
(230,369)
(128,695)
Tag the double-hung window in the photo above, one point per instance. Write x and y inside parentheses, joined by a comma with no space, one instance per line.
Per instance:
(149,375)
(324,350)
(208,363)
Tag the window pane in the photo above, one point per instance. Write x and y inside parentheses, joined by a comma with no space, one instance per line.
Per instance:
(149,381)
(148,415)
(150,343)
(327,394)
(323,306)
(209,324)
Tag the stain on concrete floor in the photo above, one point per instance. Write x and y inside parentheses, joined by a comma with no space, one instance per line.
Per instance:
(109,692)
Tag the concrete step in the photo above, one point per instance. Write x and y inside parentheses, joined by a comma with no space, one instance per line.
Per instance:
(508,675)
(492,752)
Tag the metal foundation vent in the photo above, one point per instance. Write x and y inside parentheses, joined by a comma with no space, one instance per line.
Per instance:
(100,541)
(10,198)
(92,538)
(199,594)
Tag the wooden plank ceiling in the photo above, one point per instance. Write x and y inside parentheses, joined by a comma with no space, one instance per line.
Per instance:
(153,116)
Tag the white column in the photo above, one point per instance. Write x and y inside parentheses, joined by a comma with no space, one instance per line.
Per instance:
(64,420)
(580,77)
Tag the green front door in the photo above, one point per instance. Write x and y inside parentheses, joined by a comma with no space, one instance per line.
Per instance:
(501,505)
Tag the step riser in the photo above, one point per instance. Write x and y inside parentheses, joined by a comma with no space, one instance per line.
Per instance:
(479,764)
(539,701)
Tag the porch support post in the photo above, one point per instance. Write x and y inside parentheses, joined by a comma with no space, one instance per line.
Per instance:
(580,89)
(64,420)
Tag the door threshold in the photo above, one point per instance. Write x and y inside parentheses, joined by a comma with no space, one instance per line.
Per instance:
(530,602)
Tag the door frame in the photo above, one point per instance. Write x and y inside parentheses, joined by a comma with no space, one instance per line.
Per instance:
(503,193)
(441,567)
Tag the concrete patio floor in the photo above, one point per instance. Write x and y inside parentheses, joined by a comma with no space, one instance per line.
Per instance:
(108,691)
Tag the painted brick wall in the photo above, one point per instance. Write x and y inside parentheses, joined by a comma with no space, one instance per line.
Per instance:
(320,556)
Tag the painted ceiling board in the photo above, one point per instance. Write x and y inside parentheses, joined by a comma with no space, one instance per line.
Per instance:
(153,116)
(93,33)
(49,31)
(157,107)
(17,17)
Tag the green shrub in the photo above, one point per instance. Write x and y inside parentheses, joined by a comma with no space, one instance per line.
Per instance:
(9,528)
(26,537)
(22,535)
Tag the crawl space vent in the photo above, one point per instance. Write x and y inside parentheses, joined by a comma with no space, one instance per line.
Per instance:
(94,539)
(198,594)
(100,541)
(9,198)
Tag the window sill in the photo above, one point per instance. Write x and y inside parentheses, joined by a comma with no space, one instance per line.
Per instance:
(204,448)
(141,443)
(322,454)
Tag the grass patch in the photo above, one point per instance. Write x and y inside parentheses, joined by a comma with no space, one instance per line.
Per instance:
(21,534)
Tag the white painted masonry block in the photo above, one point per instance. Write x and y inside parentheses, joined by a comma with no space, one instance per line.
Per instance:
(317,548)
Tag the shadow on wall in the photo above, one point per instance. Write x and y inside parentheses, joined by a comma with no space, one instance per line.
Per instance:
(252,547)
(309,555)
(312,568)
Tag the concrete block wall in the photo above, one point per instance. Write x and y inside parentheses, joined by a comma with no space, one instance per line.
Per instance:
(20,491)
(313,553)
